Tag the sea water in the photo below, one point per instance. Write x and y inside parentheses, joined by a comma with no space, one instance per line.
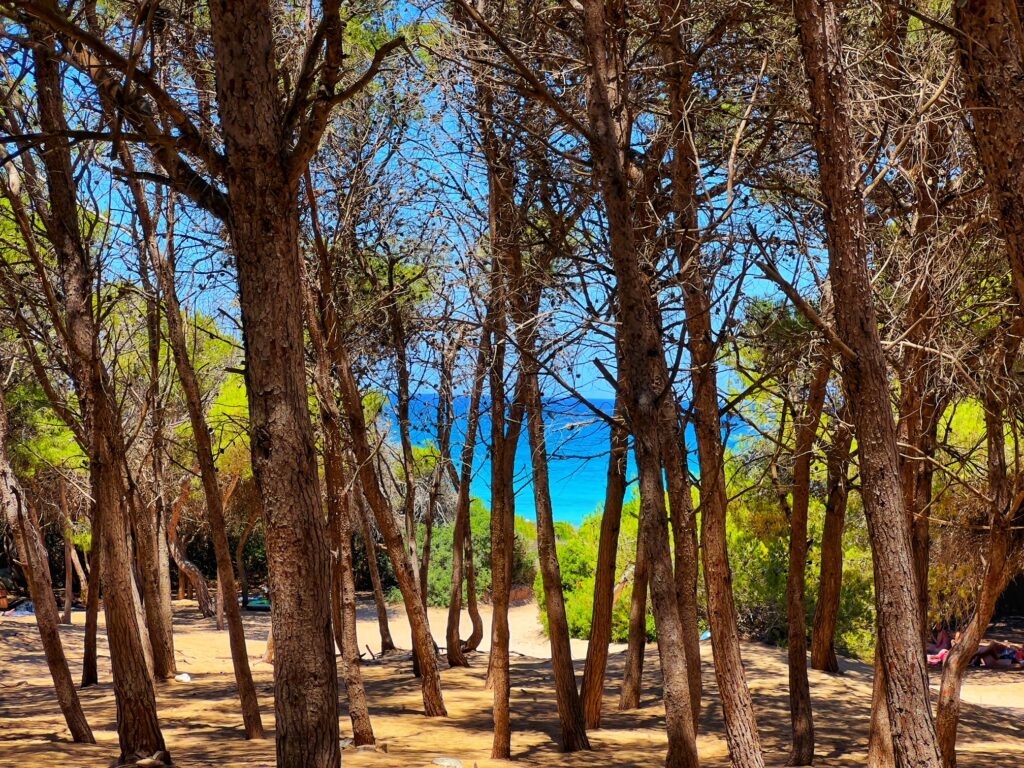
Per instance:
(578,444)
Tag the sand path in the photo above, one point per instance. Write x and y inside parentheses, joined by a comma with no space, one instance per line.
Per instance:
(202,726)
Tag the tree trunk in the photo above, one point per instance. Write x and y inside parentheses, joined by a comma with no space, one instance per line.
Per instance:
(138,727)
(801,714)
(358,708)
(1002,512)
(567,697)
(592,688)
(343,596)
(992,57)
(644,372)
(387,645)
(243,574)
(29,545)
(69,548)
(461,535)
(683,519)
(826,610)
(92,606)
(263,222)
(155,604)
(865,377)
(405,574)
(633,671)
(187,571)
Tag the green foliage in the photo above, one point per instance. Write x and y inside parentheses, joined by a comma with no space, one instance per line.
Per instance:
(577,563)
(758,536)
(439,581)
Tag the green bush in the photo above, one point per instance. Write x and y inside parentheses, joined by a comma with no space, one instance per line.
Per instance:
(439,579)
(577,561)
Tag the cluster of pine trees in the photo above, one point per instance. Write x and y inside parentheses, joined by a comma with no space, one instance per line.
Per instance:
(804,218)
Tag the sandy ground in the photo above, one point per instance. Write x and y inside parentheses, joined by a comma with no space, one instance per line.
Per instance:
(202,726)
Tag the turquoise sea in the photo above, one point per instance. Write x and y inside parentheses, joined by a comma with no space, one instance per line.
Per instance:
(578,444)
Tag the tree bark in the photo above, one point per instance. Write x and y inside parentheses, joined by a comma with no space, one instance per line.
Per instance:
(460,539)
(633,671)
(592,688)
(801,714)
(992,58)
(826,609)
(1003,509)
(29,545)
(865,377)
(138,727)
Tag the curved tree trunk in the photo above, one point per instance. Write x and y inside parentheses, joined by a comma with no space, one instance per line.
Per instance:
(997,575)
(462,535)
(186,569)
(592,688)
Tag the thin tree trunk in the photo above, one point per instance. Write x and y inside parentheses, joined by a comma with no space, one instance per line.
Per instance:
(29,545)
(343,598)
(865,377)
(69,549)
(826,609)
(476,634)
(592,688)
(461,535)
(92,605)
(633,671)
(243,574)
(801,714)
(683,520)
(387,645)
(997,574)
(567,697)
(405,574)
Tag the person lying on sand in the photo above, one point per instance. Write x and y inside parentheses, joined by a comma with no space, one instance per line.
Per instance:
(998,655)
